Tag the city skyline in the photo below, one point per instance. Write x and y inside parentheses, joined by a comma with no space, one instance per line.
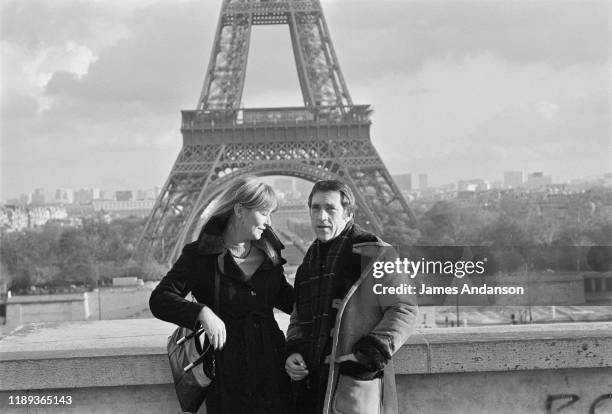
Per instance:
(50,195)
(95,100)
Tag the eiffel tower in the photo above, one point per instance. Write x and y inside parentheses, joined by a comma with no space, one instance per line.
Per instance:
(327,138)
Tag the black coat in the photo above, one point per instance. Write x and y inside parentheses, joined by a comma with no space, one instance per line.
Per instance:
(251,376)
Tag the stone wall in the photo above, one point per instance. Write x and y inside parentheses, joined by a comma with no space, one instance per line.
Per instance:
(119,303)
(120,366)
(111,303)
(45,308)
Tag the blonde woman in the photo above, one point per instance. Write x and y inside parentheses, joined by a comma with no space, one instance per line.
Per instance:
(239,242)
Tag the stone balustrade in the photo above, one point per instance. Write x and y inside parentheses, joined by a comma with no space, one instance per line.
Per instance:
(120,366)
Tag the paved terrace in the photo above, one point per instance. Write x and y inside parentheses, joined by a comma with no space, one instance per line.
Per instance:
(120,366)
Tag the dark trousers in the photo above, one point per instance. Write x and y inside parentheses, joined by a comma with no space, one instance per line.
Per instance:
(309,393)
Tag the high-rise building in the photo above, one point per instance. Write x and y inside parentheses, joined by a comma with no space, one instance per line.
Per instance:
(141,194)
(513,179)
(82,196)
(404,181)
(64,195)
(25,199)
(423,181)
(124,195)
(38,197)
(537,180)
(86,195)
(152,193)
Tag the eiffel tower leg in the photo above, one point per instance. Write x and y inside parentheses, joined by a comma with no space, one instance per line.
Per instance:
(318,68)
(364,210)
(188,179)
(224,82)
(152,223)
(194,214)
(384,204)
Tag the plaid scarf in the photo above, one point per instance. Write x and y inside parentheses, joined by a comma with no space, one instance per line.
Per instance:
(317,284)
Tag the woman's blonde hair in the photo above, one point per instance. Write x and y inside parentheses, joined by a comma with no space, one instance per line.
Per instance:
(247,191)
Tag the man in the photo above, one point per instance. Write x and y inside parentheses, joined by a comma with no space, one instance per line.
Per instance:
(341,336)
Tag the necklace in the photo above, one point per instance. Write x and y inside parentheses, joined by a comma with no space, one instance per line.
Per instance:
(240,256)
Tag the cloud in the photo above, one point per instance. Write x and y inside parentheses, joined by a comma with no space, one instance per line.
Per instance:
(541,136)
(400,36)
(157,65)
(111,79)
(70,57)
(40,38)
(91,90)
(37,24)
(484,115)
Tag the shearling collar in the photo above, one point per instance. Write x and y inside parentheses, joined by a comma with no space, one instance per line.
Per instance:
(210,240)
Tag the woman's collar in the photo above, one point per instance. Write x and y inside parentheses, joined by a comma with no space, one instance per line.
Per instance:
(211,239)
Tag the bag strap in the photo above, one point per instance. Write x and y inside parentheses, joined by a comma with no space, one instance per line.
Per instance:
(217,306)
(217,288)
(217,283)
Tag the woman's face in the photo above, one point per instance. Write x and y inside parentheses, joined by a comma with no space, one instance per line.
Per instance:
(253,222)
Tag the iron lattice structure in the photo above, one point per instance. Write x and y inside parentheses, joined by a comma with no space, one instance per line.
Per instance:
(328,138)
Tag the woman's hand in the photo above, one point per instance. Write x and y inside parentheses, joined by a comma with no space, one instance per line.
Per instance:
(214,327)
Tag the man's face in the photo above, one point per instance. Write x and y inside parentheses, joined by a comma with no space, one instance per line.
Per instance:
(327,216)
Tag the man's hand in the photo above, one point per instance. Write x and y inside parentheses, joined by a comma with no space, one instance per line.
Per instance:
(296,367)
(214,327)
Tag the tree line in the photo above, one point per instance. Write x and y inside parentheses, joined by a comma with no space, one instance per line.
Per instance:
(514,234)
(517,234)
(57,258)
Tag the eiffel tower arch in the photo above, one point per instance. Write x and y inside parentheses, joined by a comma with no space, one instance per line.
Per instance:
(329,137)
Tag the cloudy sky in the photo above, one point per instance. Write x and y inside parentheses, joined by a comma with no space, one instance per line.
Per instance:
(91,90)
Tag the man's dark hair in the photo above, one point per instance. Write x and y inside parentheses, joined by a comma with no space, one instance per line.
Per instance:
(347,198)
